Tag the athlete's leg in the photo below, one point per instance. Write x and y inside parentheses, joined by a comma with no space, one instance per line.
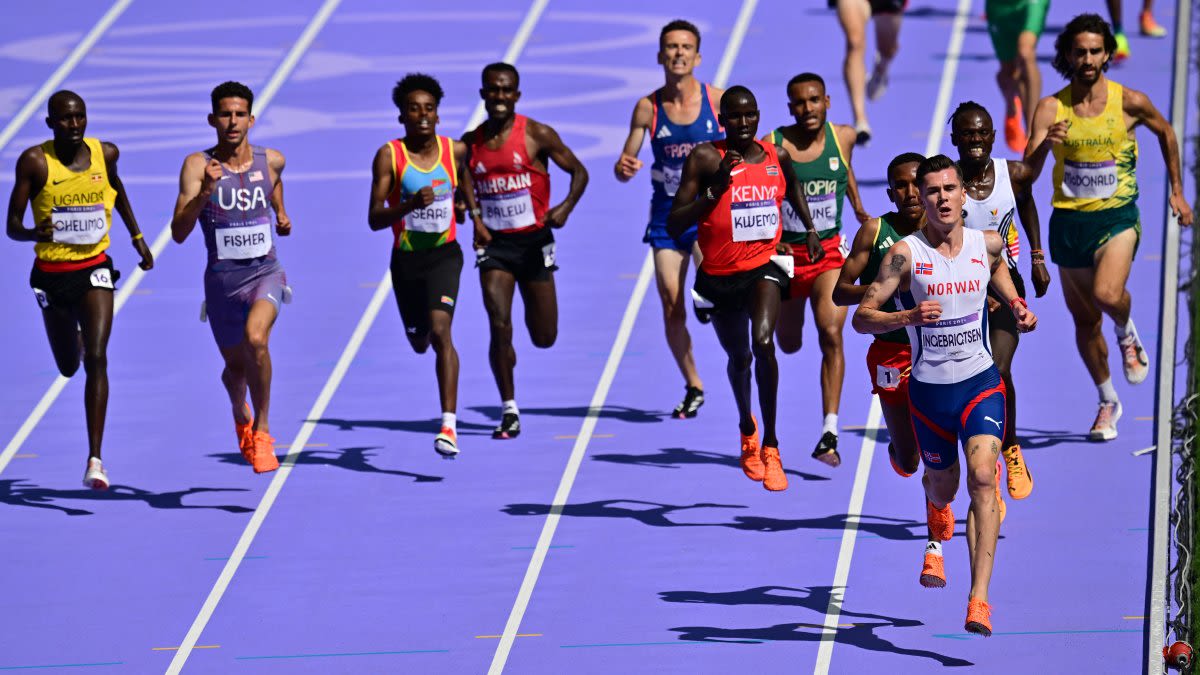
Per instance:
(498,287)
(66,342)
(764,312)
(541,311)
(95,320)
(1077,286)
(258,360)
(981,452)
(1008,79)
(1029,80)
(853,15)
(670,274)
(830,319)
(1113,261)
(790,328)
(446,359)
(1004,345)
(887,39)
(900,430)
(734,337)
(233,376)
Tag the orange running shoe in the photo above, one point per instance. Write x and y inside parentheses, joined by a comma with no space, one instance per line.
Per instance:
(752,463)
(1020,481)
(941,521)
(263,457)
(1014,131)
(979,618)
(896,467)
(1150,27)
(774,479)
(245,432)
(1000,500)
(933,571)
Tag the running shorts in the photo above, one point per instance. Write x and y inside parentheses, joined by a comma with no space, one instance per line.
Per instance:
(889,364)
(230,293)
(66,289)
(945,414)
(732,292)
(805,273)
(656,230)
(423,281)
(878,6)
(1075,236)
(528,256)
(1007,19)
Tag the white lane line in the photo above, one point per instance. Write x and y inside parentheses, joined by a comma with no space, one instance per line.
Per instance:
(164,236)
(60,74)
(318,408)
(841,572)
(1161,538)
(534,570)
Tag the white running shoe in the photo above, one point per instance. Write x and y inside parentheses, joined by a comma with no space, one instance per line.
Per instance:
(879,80)
(95,477)
(1133,357)
(1105,426)
(446,443)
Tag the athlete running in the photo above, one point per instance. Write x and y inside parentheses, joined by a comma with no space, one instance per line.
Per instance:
(1015,26)
(998,191)
(820,152)
(413,183)
(1149,27)
(1095,227)
(955,392)
(508,155)
(734,189)
(73,185)
(853,15)
(231,188)
(659,114)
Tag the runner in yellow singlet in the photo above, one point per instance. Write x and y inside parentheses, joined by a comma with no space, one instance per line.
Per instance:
(1095,225)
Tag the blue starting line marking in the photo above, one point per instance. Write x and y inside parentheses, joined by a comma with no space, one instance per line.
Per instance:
(318,656)
(640,644)
(968,636)
(63,665)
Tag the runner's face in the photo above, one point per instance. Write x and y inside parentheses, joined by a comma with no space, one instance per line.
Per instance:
(905,192)
(944,198)
(1088,57)
(420,114)
(808,102)
(500,94)
(68,120)
(740,119)
(679,54)
(973,135)
(232,120)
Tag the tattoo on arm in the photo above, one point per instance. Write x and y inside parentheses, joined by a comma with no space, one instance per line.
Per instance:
(897,265)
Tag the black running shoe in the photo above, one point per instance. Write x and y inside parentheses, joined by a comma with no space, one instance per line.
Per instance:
(826,451)
(692,400)
(510,427)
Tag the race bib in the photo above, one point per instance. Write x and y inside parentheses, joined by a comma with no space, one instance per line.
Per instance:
(822,208)
(84,225)
(949,338)
(243,241)
(101,278)
(669,176)
(754,221)
(887,377)
(435,218)
(508,211)
(548,254)
(42,300)
(1089,180)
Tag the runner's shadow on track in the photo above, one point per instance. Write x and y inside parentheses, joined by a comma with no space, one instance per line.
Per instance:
(351,459)
(815,598)
(653,513)
(15,494)
(896,529)
(429,426)
(612,412)
(1046,438)
(675,458)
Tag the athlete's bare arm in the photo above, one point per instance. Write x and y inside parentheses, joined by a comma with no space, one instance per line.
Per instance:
(1045,134)
(1021,176)
(795,197)
(894,274)
(197,179)
(847,291)
(380,216)
(275,164)
(704,168)
(31,177)
(1138,107)
(1001,282)
(466,192)
(123,207)
(548,143)
(846,138)
(628,163)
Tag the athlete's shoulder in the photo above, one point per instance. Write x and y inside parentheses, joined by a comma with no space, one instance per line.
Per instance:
(864,239)
(275,159)
(846,135)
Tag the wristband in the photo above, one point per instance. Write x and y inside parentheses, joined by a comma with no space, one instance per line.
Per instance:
(137,236)
(1018,301)
(477,213)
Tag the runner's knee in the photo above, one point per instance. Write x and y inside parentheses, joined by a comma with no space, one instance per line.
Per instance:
(1109,296)
(256,338)
(741,362)
(94,361)
(763,344)
(543,338)
(981,478)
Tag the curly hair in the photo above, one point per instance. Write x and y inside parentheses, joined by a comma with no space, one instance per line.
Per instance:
(1084,23)
(416,82)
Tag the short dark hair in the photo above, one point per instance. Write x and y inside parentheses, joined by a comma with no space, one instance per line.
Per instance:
(679,24)
(232,89)
(59,97)
(501,67)
(737,91)
(903,158)
(1084,23)
(806,77)
(935,164)
(416,82)
(966,107)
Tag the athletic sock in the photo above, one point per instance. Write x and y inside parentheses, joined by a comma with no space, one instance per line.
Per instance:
(830,424)
(450,421)
(510,407)
(1126,330)
(934,547)
(1107,393)
(1118,27)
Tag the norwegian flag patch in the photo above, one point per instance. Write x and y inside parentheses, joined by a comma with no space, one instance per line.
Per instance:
(923,268)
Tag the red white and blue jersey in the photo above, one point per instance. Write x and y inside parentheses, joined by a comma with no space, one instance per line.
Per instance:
(236,220)
(956,347)
(671,144)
